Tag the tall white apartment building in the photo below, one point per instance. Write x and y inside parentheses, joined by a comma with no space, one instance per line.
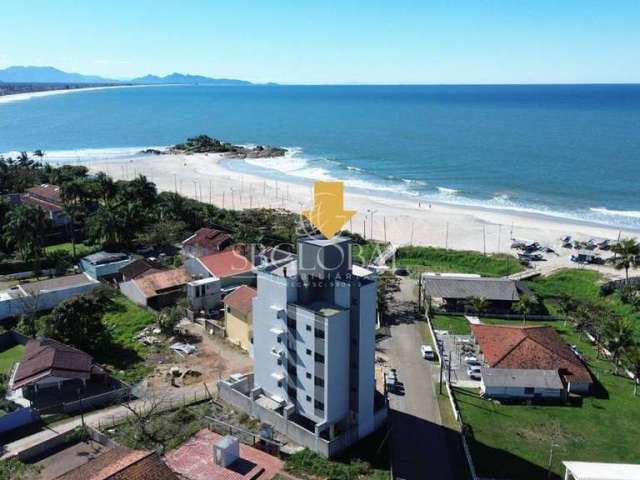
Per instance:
(314,321)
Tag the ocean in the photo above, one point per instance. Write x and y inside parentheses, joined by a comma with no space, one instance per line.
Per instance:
(570,151)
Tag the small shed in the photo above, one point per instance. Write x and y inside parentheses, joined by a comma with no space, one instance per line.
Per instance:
(601,471)
(522,384)
(226,451)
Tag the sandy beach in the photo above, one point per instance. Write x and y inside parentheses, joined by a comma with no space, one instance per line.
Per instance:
(402,222)
(17,97)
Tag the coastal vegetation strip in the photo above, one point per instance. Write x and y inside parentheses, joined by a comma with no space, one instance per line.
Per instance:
(459,261)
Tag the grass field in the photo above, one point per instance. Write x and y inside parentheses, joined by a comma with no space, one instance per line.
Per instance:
(364,254)
(81,248)
(514,440)
(9,357)
(583,285)
(444,260)
(125,320)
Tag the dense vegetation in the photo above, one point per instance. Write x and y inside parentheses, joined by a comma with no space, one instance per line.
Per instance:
(114,215)
(205,144)
(444,260)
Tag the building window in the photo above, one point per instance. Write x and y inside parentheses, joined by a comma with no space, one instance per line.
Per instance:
(308,327)
(308,352)
(319,382)
(279,383)
(279,361)
(308,398)
(292,392)
(319,358)
(279,339)
(529,390)
(318,405)
(319,333)
(308,375)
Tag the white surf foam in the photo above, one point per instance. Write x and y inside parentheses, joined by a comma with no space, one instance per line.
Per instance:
(617,213)
(448,191)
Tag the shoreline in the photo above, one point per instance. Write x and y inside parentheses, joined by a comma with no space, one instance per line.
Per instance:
(399,221)
(17,97)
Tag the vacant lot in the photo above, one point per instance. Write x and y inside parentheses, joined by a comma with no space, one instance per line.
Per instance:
(444,260)
(127,355)
(514,440)
(81,248)
(9,357)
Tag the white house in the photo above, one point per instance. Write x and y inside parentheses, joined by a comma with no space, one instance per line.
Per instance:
(27,298)
(512,383)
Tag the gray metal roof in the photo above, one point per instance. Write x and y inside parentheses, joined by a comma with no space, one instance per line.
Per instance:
(513,377)
(100,258)
(464,287)
(57,283)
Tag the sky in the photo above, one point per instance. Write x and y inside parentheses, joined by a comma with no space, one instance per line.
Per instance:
(331,42)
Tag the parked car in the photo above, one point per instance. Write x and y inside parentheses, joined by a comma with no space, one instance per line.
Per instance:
(474,372)
(402,272)
(469,359)
(427,352)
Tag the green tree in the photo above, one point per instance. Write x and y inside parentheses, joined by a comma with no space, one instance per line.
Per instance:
(169,318)
(78,322)
(633,362)
(163,233)
(388,284)
(627,255)
(25,228)
(477,305)
(523,306)
(619,336)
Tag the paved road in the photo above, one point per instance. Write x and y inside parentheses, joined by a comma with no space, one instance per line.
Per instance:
(419,444)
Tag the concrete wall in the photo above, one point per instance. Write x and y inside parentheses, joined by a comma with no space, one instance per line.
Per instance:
(291,430)
(238,327)
(106,270)
(519,392)
(269,313)
(337,367)
(46,300)
(367,305)
(211,297)
(18,418)
(133,293)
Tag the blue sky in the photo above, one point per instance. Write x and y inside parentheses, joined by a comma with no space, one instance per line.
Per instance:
(309,41)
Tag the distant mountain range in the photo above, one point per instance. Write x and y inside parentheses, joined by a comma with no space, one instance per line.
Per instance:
(20,74)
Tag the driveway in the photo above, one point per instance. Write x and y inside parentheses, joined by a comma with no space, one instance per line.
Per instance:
(419,443)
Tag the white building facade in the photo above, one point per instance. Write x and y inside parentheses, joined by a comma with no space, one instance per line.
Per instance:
(314,323)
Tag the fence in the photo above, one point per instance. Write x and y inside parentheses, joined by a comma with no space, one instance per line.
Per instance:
(452,401)
(163,405)
(503,316)
(245,436)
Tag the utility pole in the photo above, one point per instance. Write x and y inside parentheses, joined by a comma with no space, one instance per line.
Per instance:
(446,236)
(412,225)
(175,183)
(364,228)
(384,223)
(210,192)
(484,239)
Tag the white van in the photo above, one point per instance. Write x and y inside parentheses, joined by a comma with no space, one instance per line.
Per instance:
(427,352)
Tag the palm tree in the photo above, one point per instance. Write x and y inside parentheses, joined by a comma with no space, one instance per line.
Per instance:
(619,335)
(523,307)
(633,361)
(477,305)
(627,255)
(73,194)
(25,228)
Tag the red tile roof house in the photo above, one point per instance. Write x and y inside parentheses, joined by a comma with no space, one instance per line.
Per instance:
(48,198)
(51,373)
(229,266)
(122,463)
(194,460)
(532,348)
(205,241)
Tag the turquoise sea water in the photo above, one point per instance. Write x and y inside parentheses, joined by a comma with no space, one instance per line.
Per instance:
(568,150)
